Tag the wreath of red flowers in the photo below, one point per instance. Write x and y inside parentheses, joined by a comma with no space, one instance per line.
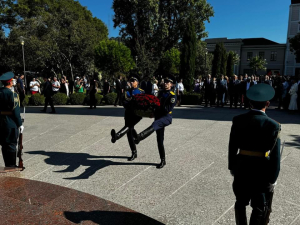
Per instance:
(145,104)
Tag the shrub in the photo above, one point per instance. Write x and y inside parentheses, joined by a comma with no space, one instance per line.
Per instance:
(37,99)
(191,99)
(98,99)
(110,98)
(77,99)
(60,99)
(26,100)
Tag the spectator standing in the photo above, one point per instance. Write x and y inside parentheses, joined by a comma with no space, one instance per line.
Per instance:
(64,88)
(34,86)
(294,95)
(55,85)
(119,90)
(149,85)
(197,86)
(267,80)
(208,89)
(221,87)
(106,87)
(79,87)
(48,93)
(87,85)
(92,93)
(180,89)
(214,91)
(21,89)
(155,88)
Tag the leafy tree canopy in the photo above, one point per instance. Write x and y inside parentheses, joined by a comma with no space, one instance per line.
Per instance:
(256,63)
(113,57)
(59,34)
(170,62)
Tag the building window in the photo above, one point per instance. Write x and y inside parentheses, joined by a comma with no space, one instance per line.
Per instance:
(261,55)
(273,56)
(249,55)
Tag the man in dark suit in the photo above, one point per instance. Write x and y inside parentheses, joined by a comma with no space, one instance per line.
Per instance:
(48,93)
(207,88)
(235,91)
(254,162)
(119,90)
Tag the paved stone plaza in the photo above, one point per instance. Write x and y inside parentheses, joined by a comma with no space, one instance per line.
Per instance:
(72,149)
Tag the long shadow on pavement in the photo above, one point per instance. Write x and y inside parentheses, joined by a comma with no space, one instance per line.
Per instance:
(110,218)
(200,113)
(295,143)
(74,161)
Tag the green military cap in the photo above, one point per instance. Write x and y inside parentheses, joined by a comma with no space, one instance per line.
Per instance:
(7,76)
(260,93)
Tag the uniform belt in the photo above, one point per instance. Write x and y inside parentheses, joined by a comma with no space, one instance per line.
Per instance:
(253,153)
(6,113)
(170,112)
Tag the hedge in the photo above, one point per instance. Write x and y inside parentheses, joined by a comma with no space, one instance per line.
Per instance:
(110,98)
(60,99)
(191,99)
(37,99)
(77,99)
(26,100)
(98,99)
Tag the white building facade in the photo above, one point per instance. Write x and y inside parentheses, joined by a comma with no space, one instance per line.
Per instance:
(292,67)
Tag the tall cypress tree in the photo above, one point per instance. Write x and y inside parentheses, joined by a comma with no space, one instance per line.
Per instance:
(224,60)
(230,64)
(188,55)
(217,61)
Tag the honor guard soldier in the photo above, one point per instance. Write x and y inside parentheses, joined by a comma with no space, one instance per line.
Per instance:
(163,118)
(254,162)
(10,120)
(130,118)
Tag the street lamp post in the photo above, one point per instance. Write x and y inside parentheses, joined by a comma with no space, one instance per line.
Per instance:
(22,43)
(206,62)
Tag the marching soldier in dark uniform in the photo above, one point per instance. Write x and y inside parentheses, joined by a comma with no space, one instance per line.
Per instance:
(255,162)
(163,118)
(10,120)
(130,118)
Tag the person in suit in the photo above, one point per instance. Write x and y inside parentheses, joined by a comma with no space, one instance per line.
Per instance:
(254,162)
(119,90)
(163,118)
(131,119)
(207,89)
(48,93)
(93,91)
(10,120)
(268,81)
(240,91)
(246,86)
(221,87)
(235,92)
(214,91)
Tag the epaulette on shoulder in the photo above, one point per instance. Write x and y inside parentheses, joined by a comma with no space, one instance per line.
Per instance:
(141,89)
(172,93)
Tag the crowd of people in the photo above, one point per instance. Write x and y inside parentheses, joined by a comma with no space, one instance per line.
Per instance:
(233,90)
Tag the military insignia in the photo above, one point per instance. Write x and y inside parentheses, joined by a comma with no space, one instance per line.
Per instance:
(172,100)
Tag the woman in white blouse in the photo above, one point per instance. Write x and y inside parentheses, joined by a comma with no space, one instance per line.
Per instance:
(180,89)
(155,88)
(293,92)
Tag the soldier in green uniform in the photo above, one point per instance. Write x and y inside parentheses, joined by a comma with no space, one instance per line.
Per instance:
(10,120)
(254,162)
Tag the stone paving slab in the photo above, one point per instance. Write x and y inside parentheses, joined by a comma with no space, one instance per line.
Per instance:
(72,149)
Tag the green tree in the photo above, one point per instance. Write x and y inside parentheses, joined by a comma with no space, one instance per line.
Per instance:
(295,46)
(256,63)
(170,62)
(224,61)
(217,61)
(113,57)
(59,35)
(152,27)
(188,55)
(203,60)
(230,64)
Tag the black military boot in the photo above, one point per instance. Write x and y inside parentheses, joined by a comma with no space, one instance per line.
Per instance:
(240,215)
(256,216)
(116,136)
(143,135)
(11,160)
(162,163)
(133,156)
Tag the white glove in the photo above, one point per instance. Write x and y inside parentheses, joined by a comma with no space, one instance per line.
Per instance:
(21,129)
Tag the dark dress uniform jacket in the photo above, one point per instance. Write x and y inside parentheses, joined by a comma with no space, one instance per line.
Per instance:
(254,131)
(10,118)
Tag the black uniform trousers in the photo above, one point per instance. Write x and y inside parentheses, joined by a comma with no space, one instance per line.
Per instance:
(49,100)
(130,121)
(9,141)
